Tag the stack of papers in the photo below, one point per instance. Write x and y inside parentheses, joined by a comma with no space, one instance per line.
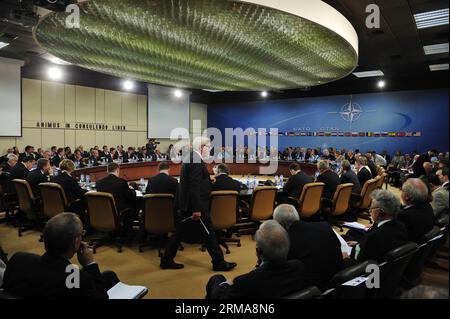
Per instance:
(357,226)
(345,248)
(123,291)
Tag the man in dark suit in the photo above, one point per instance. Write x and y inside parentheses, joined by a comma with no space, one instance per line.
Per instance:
(74,192)
(130,155)
(162,183)
(294,186)
(349,176)
(124,196)
(276,277)
(39,175)
(327,176)
(193,204)
(223,182)
(386,234)
(59,156)
(363,170)
(21,170)
(314,244)
(442,174)
(46,277)
(5,173)
(417,214)
(371,164)
(29,151)
(417,166)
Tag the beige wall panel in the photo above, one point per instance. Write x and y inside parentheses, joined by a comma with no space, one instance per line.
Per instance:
(130,139)
(130,110)
(30,136)
(52,137)
(69,139)
(113,107)
(99,106)
(85,138)
(31,100)
(142,113)
(142,138)
(113,139)
(100,138)
(52,102)
(85,104)
(198,112)
(6,143)
(69,103)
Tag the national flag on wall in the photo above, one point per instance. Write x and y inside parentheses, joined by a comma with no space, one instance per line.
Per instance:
(320,134)
(348,134)
(369,134)
(354,134)
(341,133)
(327,134)
(401,134)
(409,134)
(362,134)
(392,134)
(417,134)
(384,134)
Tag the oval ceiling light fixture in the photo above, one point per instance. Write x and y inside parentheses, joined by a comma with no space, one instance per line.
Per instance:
(264,94)
(54,73)
(259,45)
(128,85)
(381,84)
(178,93)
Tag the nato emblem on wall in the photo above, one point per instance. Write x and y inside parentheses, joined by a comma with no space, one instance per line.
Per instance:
(207,44)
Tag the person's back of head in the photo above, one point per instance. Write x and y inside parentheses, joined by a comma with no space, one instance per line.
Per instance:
(272,243)
(346,166)
(426,292)
(323,165)
(42,164)
(286,215)
(67,165)
(223,169)
(62,235)
(414,192)
(113,168)
(163,167)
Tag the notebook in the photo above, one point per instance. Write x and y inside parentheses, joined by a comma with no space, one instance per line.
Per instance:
(123,291)
(357,226)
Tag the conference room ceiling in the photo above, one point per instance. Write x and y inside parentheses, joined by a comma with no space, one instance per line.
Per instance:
(396,49)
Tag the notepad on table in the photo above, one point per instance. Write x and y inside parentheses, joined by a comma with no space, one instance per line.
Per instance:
(356,225)
(123,291)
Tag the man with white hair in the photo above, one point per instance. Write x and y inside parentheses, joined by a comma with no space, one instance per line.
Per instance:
(5,173)
(274,278)
(193,206)
(314,244)
(417,214)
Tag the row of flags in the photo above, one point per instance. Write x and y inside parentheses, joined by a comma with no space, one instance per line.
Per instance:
(342,134)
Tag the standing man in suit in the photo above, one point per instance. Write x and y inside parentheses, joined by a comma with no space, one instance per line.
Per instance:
(386,234)
(124,196)
(417,214)
(363,170)
(275,277)
(294,186)
(193,202)
(223,182)
(74,192)
(45,277)
(314,244)
(162,183)
(39,175)
(327,176)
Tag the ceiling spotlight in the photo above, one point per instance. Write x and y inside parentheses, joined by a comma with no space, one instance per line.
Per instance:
(128,85)
(178,93)
(55,73)
(381,84)
(264,94)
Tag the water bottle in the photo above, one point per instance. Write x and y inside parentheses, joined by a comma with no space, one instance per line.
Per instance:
(276,180)
(88,180)
(248,181)
(255,182)
(82,178)
(281,180)
(142,182)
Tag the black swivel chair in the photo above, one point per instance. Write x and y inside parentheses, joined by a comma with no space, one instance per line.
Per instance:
(308,293)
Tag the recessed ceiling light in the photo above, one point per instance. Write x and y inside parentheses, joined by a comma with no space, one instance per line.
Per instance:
(264,94)
(368,74)
(436,48)
(431,18)
(3,44)
(439,67)
(54,73)
(381,84)
(128,85)
(178,93)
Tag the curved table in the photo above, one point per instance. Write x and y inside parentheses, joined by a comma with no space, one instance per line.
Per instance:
(134,171)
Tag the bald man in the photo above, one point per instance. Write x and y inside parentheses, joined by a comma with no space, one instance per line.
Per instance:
(417,213)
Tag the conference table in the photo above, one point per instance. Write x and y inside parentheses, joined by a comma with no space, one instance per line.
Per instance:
(135,171)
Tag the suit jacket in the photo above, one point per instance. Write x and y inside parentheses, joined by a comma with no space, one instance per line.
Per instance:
(331,180)
(118,187)
(43,277)
(351,177)
(162,184)
(378,241)
(56,160)
(226,183)
(440,201)
(70,185)
(363,176)
(418,164)
(265,282)
(5,178)
(373,168)
(295,183)
(34,178)
(19,171)
(418,219)
(318,248)
(195,186)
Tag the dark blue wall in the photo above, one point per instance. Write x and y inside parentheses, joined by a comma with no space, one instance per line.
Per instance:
(406,111)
